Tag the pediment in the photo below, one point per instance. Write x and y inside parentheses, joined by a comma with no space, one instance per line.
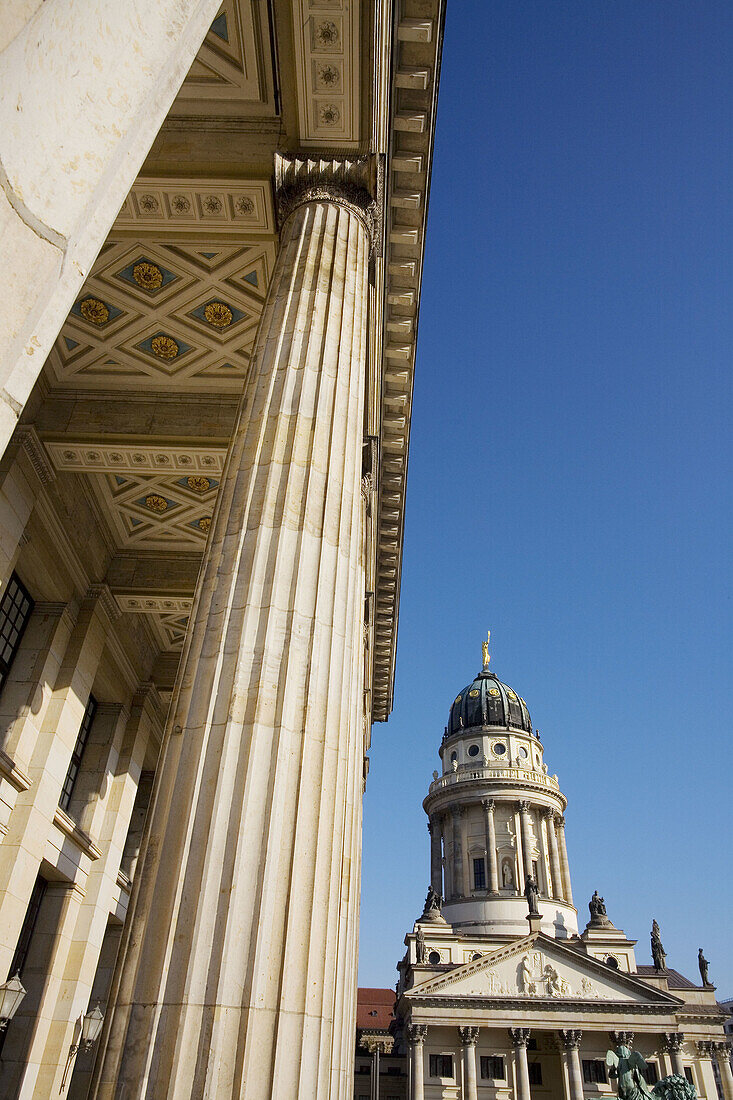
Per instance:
(539,968)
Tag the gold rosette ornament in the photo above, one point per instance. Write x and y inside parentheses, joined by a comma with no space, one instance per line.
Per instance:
(92,309)
(148,276)
(218,314)
(164,347)
(198,483)
(205,524)
(156,503)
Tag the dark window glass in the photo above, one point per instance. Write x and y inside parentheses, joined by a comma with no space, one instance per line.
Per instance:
(81,743)
(651,1073)
(594,1071)
(441,1065)
(535,1073)
(26,930)
(15,609)
(688,1074)
(473,750)
(434,958)
(492,1068)
(531,1044)
(515,714)
(479,874)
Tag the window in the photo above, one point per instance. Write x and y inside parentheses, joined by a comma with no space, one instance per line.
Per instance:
(492,1068)
(473,750)
(479,874)
(535,1073)
(434,958)
(441,1065)
(26,930)
(651,1073)
(81,743)
(688,1075)
(15,609)
(594,1071)
(531,1044)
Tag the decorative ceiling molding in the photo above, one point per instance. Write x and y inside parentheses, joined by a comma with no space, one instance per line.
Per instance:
(415,72)
(156,512)
(168,205)
(84,457)
(144,604)
(327,37)
(171,316)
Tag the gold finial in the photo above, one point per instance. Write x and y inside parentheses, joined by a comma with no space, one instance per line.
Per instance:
(485,651)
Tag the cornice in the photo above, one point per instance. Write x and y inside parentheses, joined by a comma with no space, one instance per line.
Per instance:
(415,49)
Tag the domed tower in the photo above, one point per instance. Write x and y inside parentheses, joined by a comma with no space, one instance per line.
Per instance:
(496,816)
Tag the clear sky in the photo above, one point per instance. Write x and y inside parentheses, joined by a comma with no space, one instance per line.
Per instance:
(571,456)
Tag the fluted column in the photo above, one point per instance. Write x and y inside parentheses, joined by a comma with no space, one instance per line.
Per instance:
(564,865)
(520,1037)
(492,869)
(555,872)
(416,1036)
(571,1043)
(469,1038)
(446,823)
(722,1054)
(238,976)
(673,1043)
(458,886)
(526,839)
(436,855)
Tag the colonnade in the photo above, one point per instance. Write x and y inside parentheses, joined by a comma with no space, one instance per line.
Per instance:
(569,1041)
(450,875)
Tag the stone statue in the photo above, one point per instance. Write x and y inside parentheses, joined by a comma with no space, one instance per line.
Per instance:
(597,907)
(532,893)
(628,1067)
(432,901)
(421,951)
(703,963)
(658,953)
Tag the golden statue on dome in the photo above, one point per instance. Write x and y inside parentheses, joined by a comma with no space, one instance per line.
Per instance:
(485,651)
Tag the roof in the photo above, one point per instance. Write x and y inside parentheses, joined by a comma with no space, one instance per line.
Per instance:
(675,980)
(374,1009)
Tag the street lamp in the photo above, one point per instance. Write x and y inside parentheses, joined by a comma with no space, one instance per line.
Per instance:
(11,994)
(91,1026)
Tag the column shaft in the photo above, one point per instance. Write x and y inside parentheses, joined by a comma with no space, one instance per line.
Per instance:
(575,1075)
(564,865)
(469,1037)
(492,869)
(239,964)
(458,881)
(555,870)
(436,856)
(526,839)
(417,1069)
(521,1070)
(726,1074)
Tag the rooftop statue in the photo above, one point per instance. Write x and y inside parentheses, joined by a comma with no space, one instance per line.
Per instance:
(432,901)
(703,963)
(532,893)
(485,650)
(597,907)
(658,954)
(628,1067)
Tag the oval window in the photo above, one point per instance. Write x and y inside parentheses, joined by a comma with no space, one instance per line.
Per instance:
(434,958)
(612,962)
(473,750)
(523,752)
(499,749)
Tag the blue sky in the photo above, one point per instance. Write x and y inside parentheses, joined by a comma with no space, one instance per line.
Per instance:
(571,457)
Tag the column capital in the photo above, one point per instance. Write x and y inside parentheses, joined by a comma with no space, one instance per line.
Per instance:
(706,1048)
(571,1039)
(519,1036)
(381,1044)
(524,806)
(355,182)
(724,1049)
(469,1036)
(622,1038)
(416,1033)
(673,1042)
(548,813)
(489,805)
(560,821)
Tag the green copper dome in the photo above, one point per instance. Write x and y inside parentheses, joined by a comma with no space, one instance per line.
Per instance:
(488,702)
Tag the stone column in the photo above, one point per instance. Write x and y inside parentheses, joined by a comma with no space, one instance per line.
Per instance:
(238,962)
(416,1036)
(377,1044)
(571,1043)
(492,869)
(706,1052)
(555,872)
(458,883)
(520,1037)
(722,1054)
(448,883)
(48,735)
(673,1043)
(564,865)
(436,855)
(469,1038)
(76,125)
(526,840)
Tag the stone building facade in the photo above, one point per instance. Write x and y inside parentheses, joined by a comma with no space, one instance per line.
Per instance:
(212,218)
(500,996)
